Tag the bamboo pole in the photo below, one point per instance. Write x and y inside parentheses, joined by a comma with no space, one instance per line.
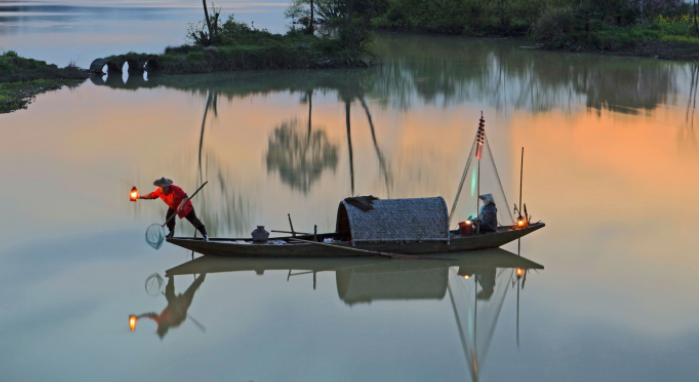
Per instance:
(366,251)
(521,174)
(478,197)
(293,233)
(296,232)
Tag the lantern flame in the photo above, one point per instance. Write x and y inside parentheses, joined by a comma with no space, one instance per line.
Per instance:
(520,272)
(132,322)
(134,194)
(466,277)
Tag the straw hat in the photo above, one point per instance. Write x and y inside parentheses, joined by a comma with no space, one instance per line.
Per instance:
(488,198)
(162,182)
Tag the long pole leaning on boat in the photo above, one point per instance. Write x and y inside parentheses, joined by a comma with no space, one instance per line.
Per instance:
(387,255)
(519,241)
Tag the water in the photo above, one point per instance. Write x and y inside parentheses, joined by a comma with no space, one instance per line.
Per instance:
(610,166)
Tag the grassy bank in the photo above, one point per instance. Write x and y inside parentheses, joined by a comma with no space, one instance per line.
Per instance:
(567,28)
(239,46)
(662,28)
(22,78)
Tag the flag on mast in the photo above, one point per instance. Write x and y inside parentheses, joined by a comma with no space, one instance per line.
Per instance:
(480,137)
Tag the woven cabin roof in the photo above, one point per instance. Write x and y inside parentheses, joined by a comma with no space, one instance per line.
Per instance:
(418,219)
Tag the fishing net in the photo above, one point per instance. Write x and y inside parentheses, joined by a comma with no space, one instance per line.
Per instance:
(480,177)
(155,235)
(154,284)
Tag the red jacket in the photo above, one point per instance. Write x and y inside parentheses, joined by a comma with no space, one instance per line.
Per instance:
(173,199)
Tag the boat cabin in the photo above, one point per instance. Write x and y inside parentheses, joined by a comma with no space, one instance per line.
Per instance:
(392,220)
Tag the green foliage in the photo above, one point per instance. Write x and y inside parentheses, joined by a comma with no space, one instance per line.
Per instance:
(241,46)
(680,39)
(556,26)
(680,25)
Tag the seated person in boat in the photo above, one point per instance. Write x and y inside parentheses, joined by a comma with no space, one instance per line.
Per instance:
(179,203)
(488,216)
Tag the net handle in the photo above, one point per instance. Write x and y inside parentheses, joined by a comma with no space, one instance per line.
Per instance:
(188,199)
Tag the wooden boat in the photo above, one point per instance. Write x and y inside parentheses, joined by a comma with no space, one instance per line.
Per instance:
(417,226)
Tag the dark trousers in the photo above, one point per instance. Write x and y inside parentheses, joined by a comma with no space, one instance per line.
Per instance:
(192,217)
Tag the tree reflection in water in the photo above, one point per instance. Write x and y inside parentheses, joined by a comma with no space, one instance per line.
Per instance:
(426,70)
(227,211)
(300,155)
(686,137)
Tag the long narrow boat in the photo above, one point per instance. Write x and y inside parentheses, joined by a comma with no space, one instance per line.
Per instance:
(417,226)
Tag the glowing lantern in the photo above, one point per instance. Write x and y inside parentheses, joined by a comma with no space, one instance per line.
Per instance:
(132,322)
(521,223)
(520,272)
(466,228)
(466,277)
(134,194)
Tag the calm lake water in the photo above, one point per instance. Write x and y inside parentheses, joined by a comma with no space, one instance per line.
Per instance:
(611,166)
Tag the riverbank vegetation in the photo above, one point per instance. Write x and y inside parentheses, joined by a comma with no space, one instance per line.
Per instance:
(214,45)
(664,28)
(22,78)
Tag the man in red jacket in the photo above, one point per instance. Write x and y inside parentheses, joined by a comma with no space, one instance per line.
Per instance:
(178,202)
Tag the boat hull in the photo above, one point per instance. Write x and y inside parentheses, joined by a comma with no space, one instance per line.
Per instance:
(232,247)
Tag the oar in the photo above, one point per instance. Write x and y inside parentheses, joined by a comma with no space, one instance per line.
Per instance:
(154,233)
(369,252)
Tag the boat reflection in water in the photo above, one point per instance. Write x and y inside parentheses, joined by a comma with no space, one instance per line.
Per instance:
(476,283)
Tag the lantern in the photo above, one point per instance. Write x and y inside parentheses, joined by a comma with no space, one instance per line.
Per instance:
(519,272)
(522,223)
(466,228)
(134,194)
(132,322)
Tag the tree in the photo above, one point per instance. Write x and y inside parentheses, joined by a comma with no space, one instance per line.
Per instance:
(696,26)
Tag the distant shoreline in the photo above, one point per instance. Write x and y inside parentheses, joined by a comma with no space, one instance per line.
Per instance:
(21,79)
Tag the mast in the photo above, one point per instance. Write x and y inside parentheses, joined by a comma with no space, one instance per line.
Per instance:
(480,138)
(521,175)
(478,147)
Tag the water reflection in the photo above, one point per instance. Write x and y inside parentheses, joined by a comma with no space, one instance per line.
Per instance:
(508,77)
(503,75)
(476,284)
(300,155)
(175,313)
(686,136)
(300,150)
